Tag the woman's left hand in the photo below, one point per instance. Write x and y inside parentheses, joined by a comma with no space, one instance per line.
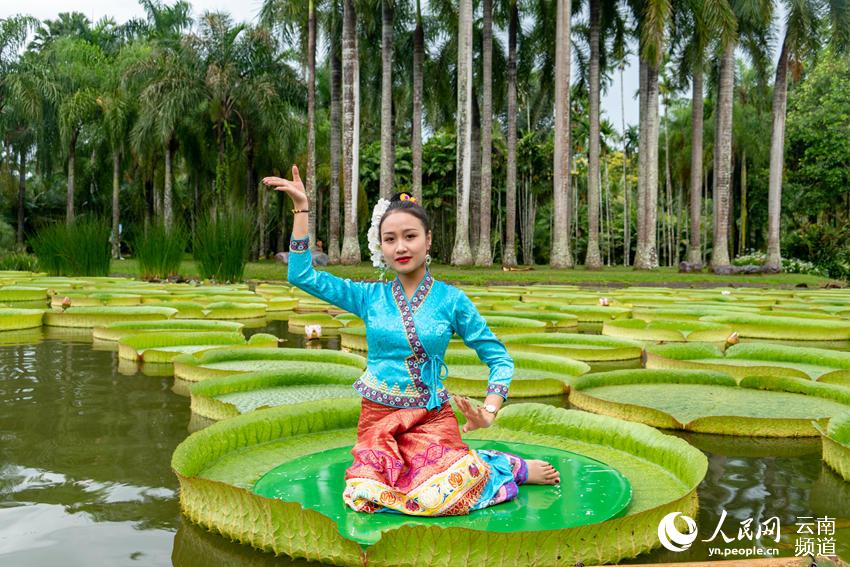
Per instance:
(476,416)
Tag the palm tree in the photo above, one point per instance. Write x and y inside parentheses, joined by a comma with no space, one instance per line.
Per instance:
(723,157)
(801,38)
(416,130)
(652,18)
(561,256)
(334,33)
(350,131)
(461,252)
(593,259)
(387,146)
(483,256)
(509,245)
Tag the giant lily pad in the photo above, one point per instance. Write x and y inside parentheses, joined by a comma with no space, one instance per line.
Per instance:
(115,331)
(16,319)
(555,320)
(756,359)
(158,348)
(330,325)
(711,402)
(100,316)
(14,293)
(588,313)
(836,444)
(223,362)
(227,396)
(535,374)
(667,330)
(588,348)
(235,310)
(775,327)
(218,466)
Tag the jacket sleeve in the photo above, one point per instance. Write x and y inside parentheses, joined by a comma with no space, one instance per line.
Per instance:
(342,292)
(473,329)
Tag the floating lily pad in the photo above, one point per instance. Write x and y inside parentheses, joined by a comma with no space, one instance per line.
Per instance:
(330,324)
(115,331)
(100,316)
(15,293)
(235,310)
(16,319)
(589,313)
(535,374)
(554,320)
(158,348)
(756,359)
(711,402)
(836,444)
(587,348)
(218,466)
(599,493)
(775,327)
(223,362)
(667,330)
(227,396)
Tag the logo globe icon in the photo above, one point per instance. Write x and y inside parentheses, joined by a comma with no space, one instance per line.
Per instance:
(671,538)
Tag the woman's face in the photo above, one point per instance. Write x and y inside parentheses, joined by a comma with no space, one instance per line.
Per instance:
(403,238)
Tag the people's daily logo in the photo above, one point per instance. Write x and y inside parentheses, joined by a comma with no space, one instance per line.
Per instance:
(671,537)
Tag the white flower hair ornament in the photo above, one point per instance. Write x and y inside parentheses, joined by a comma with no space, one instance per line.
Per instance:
(374,237)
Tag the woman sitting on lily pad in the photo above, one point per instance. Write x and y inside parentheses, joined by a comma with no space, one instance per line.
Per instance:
(409,456)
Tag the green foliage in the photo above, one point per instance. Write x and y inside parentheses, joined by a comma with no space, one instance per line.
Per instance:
(19,261)
(77,249)
(826,246)
(160,250)
(7,236)
(222,243)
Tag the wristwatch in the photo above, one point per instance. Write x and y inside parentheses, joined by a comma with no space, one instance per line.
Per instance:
(491,408)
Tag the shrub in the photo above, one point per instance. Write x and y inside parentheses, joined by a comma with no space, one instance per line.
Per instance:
(79,249)
(160,250)
(789,265)
(222,243)
(19,262)
(7,236)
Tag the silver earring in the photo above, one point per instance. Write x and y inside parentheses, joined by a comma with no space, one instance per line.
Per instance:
(427,259)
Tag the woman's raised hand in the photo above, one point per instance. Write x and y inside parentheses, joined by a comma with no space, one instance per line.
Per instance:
(476,416)
(294,188)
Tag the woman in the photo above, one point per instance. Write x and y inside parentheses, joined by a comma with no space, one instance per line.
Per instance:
(409,456)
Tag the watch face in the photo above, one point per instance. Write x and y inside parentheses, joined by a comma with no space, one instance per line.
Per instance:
(490,407)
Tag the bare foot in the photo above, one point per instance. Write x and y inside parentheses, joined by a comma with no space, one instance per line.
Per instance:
(541,472)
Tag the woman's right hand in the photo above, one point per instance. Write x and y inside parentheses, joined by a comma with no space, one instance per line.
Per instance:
(294,188)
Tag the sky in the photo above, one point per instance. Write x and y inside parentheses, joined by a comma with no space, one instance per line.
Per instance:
(246,10)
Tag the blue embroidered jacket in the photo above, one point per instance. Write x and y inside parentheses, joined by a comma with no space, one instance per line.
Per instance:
(407,339)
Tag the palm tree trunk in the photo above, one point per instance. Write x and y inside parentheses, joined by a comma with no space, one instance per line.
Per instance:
(695,247)
(311,189)
(509,245)
(777,158)
(593,259)
(167,203)
(461,252)
(416,134)
(116,210)
(742,234)
(627,207)
(336,116)
(561,256)
(72,158)
(640,248)
(475,183)
(22,193)
(723,147)
(387,151)
(483,257)
(649,256)
(350,132)
(668,187)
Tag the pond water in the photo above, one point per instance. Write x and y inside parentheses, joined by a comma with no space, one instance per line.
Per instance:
(85,476)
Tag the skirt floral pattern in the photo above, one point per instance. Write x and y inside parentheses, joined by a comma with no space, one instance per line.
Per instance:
(413,461)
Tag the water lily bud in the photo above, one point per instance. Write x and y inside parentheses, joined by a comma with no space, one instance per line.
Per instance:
(66,303)
(603,301)
(733,339)
(313,331)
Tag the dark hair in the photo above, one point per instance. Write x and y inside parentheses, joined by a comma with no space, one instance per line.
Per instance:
(411,207)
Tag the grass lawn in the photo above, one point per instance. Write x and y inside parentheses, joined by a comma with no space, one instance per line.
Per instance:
(269,270)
